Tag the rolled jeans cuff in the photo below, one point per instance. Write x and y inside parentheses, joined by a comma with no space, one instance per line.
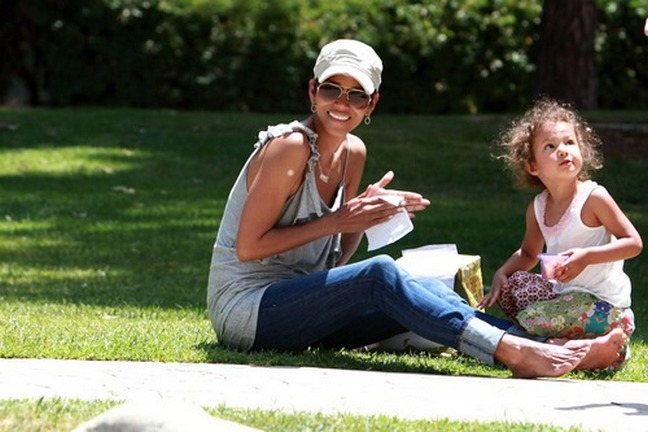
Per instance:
(480,340)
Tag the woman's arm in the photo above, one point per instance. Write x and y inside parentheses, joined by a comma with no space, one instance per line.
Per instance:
(274,176)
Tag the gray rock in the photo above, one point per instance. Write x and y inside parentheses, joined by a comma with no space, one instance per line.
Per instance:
(159,416)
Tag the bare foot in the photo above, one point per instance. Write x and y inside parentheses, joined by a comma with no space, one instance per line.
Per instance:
(604,350)
(529,359)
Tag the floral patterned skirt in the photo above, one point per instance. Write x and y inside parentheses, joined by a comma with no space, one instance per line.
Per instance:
(530,301)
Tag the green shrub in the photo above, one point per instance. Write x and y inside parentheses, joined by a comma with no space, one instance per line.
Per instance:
(441,56)
(622,55)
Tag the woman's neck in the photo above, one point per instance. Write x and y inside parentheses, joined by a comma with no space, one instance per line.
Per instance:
(327,142)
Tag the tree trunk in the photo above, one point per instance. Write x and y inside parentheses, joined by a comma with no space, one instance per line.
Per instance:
(566,52)
(22,38)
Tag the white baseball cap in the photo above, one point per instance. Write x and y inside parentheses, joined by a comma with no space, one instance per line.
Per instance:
(352,58)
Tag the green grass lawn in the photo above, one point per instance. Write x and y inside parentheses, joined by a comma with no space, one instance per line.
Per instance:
(64,415)
(108,216)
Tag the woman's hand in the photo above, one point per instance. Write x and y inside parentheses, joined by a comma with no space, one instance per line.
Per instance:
(411,201)
(369,208)
(362,212)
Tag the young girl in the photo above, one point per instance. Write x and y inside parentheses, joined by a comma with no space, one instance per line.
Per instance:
(553,149)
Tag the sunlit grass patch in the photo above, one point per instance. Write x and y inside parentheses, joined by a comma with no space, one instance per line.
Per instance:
(77,160)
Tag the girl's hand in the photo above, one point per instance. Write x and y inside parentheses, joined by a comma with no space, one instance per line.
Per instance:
(499,281)
(572,266)
(411,201)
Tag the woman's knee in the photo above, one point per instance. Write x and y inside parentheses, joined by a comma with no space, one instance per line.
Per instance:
(382,265)
(380,262)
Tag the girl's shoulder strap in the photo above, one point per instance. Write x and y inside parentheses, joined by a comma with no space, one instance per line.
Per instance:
(539,205)
(588,186)
(585,190)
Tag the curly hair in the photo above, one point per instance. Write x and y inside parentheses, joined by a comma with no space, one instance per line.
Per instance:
(516,143)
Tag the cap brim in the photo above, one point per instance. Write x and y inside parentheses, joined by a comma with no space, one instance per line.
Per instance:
(356,74)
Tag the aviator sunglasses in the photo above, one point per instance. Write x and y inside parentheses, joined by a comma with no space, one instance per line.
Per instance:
(356,97)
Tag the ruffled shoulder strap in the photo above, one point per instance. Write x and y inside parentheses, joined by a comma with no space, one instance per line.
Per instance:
(283,129)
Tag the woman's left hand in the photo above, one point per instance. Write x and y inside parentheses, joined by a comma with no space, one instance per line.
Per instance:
(411,201)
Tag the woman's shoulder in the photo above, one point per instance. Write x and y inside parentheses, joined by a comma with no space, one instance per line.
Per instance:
(355,144)
(291,146)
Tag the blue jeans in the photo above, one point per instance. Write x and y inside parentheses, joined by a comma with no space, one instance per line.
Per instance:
(363,303)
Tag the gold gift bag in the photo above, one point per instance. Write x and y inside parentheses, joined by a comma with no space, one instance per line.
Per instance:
(468,281)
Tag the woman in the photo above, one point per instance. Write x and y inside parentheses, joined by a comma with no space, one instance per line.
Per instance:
(279,276)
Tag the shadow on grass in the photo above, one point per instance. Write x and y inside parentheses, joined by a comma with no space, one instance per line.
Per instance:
(413,362)
(135,226)
(94,244)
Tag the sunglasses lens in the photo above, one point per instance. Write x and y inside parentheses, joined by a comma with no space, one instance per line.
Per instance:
(358,99)
(329,92)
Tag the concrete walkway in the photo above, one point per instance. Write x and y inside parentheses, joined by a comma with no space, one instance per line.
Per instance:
(592,405)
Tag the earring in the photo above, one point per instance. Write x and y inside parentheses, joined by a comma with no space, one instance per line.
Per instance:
(313,107)
(367,119)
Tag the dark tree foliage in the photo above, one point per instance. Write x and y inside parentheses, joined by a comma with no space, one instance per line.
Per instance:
(440,56)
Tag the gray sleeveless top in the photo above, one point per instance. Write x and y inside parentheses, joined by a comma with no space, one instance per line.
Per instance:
(235,288)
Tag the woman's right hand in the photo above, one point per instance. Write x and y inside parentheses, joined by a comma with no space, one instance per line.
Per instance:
(411,201)
(375,189)
(362,212)
(369,208)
